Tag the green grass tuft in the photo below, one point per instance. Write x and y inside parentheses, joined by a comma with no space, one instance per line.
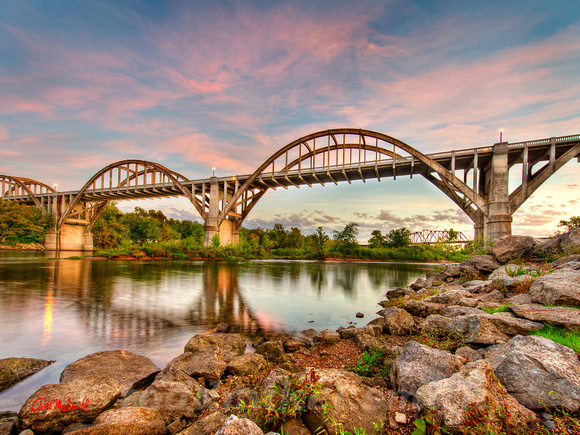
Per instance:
(491,310)
(570,339)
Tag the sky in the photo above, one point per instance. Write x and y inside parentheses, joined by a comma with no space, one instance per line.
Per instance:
(196,84)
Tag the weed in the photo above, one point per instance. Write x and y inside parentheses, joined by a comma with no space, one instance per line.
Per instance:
(282,403)
(373,364)
(499,285)
(570,339)
(523,285)
(440,341)
(467,276)
(428,425)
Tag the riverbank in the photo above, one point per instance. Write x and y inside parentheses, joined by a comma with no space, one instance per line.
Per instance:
(22,247)
(456,350)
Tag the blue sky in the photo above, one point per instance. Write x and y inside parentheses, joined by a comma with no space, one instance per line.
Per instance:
(192,84)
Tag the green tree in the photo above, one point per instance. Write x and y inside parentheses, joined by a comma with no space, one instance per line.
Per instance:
(142,226)
(570,224)
(318,243)
(377,240)
(399,238)
(346,239)
(294,238)
(453,235)
(19,221)
(109,232)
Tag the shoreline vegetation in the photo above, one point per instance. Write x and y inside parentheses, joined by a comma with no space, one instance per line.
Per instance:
(151,235)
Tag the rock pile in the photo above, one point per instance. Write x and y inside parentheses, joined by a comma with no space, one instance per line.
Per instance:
(498,366)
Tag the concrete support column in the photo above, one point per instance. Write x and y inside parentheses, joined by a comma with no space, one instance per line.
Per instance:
(479,226)
(227,230)
(499,219)
(69,238)
(211,223)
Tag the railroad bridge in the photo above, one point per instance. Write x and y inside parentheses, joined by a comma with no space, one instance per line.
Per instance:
(476,179)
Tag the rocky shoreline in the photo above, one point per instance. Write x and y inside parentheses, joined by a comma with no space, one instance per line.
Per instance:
(452,351)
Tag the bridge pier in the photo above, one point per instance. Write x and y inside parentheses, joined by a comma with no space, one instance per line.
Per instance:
(226,231)
(69,238)
(499,218)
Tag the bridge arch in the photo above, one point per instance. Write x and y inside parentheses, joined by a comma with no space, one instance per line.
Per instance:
(345,148)
(135,177)
(25,187)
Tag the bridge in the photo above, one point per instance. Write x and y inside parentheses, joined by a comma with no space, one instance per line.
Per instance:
(475,179)
(430,237)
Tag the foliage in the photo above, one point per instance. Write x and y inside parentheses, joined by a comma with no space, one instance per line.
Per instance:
(282,403)
(377,239)
(570,339)
(499,285)
(467,276)
(428,425)
(215,241)
(398,238)
(346,239)
(492,310)
(21,223)
(570,224)
(318,242)
(372,364)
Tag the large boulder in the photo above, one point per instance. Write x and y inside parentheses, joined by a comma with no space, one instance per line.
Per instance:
(568,318)
(558,288)
(397,321)
(509,247)
(206,363)
(422,308)
(54,406)
(343,401)
(570,240)
(419,364)
(479,264)
(450,297)
(239,426)
(13,370)
(246,364)
(474,386)
(480,328)
(273,351)
(230,345)
(173,400)
(538,372)
(134,421)
(207,425)
(131,371)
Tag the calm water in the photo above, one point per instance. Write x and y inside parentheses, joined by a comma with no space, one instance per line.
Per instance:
(65,309)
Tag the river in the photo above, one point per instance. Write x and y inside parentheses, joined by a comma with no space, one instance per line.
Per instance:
(65,309)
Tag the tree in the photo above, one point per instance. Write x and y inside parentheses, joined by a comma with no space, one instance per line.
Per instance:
(399,238)
(570,224)
(109,232)
(377,240)
(19,221)
(346,239)
(318,243)
(294,238)
(453,235)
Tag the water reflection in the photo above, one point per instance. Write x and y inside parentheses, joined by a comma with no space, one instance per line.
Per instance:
(48,307)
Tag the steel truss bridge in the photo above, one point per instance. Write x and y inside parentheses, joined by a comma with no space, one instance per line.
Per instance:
(475,179)
(429,237)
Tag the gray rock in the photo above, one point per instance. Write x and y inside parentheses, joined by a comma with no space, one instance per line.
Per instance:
(558,288)
(468,302)
(13,370)
(449,297)
(539,373)
(230,345)
(54,406)
(172,374)
(239,426)
(367,342)
(131,371)
(480,328)
(247,364)
(419,364)
(523,298)
(569,318)
(173,400)
(347,400)
(422,308)
(273,351)
(493,296)
(563,262)
(293,345)
(294,427)
(207,425)
(206,363)
(479,264)
(450,271)
(477,286)
(396,293)
(473,385)
(468,353)
(455,311)
(510,247)
(397,321)
(570,240)
(134,421)
(328,336)
(419,284)
(8,423)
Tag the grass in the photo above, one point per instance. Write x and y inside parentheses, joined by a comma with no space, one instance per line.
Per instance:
(492,310)
(373,364)
(570,339)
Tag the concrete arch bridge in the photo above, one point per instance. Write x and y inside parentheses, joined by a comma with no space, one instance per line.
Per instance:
(475,179)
